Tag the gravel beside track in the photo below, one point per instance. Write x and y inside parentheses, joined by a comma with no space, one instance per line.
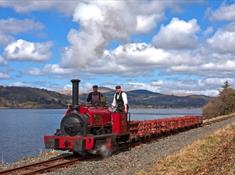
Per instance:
(142,156)
(29,160)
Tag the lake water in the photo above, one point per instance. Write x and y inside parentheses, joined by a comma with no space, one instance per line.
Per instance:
(22,130)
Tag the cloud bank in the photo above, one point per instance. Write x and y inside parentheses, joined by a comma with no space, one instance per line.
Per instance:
(130,40)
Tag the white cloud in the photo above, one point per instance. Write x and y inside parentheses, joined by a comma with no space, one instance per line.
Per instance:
(218,82)
(204,86)
(100,23)
(24,6)
(126,59)
(104,21)
(177,87)
(146,23)
(5,39)
(140,85)
(208,31)
(224,12)
(139,54)
(226,65)
(208,86)
(176,48)
(4,75)
(11,26)
(84,87)
(224,39)
(56,69)
(178,34)
(132,58)
(50,69)
(15,26)
(35,71)
(67,87)
(20,84)
(204,61)
(138,58)
(183,68)
(25,50)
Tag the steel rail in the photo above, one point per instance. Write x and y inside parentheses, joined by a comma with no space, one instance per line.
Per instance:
(217,119)
(42,166)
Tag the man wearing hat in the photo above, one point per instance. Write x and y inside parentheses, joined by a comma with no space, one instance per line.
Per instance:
(94,97)
(120,100)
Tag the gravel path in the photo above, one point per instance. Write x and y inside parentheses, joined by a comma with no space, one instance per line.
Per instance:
(142,156)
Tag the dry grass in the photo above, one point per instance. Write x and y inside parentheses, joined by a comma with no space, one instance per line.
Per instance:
(214,154)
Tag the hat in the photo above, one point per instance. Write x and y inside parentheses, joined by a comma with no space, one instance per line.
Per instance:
(95,86)
(118,87)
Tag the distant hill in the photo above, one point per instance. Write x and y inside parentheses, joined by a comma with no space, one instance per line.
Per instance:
(145,98)
(27,97)
(105,89)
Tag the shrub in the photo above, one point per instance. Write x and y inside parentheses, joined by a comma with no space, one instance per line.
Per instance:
(221,105)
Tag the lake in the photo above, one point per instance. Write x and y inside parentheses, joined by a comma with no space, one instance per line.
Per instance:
(22,130)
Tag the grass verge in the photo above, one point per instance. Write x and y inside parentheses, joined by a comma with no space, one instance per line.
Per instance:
(214,154)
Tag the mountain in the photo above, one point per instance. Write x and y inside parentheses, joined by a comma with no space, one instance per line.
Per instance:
(145,98)
(101,89)
(27,97)
(105,89)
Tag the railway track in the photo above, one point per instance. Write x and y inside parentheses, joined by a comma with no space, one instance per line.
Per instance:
(49,165)
(43,166)
(217,119)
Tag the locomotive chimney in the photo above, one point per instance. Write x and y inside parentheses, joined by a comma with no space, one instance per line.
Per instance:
(75,93)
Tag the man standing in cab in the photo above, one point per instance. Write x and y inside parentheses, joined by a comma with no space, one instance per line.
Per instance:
(120,100)
(94,97)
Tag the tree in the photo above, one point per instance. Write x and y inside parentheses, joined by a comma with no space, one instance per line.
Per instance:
(226,85)
(221,105)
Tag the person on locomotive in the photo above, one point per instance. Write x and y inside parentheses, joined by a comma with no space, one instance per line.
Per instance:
(120,101)
(94,97)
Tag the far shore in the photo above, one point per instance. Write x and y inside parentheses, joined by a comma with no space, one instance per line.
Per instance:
(133,107)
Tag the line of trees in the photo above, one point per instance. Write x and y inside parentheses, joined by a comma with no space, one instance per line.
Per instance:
(223,104)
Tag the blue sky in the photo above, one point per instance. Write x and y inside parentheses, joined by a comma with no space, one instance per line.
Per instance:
(172,47)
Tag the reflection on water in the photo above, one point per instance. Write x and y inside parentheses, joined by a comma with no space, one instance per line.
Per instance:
(22,130)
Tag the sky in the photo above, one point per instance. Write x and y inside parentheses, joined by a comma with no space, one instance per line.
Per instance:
(166,46)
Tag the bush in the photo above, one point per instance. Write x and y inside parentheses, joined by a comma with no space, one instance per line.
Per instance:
(221,105)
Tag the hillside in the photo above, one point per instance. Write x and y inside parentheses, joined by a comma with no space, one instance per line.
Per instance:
(27,97)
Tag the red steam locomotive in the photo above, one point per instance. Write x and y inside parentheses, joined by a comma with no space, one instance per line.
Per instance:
(95,129)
